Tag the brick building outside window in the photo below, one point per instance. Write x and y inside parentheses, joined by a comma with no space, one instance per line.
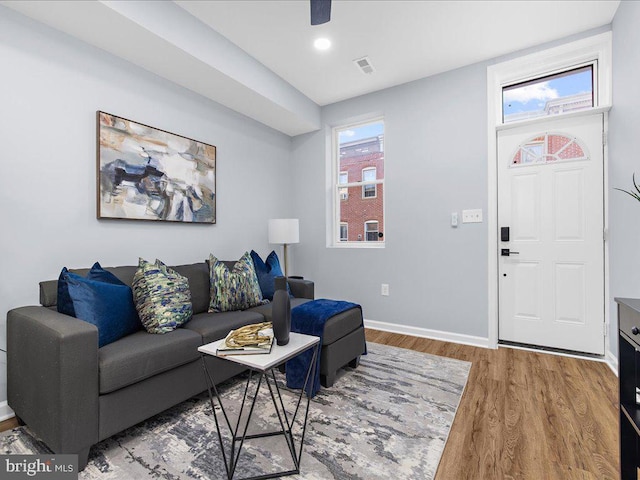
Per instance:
(362,207)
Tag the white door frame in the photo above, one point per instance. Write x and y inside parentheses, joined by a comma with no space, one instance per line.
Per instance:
(598,48)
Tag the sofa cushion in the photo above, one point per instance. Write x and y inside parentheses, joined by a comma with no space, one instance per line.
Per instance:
(107,306)
(64,303)
(198,276)
(49,288)
(124,273)
(214,326)
(267,273)
(265,310)
(143,355)
(162,297)
(233,289)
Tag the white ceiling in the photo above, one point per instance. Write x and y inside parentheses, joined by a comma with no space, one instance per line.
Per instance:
(405,40)
(257,58)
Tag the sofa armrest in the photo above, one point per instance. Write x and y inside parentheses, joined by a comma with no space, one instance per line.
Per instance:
(301,288)
(52,376)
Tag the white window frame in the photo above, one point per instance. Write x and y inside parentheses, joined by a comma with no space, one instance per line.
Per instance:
(377,222)
(366,183)
(333,187)
(596,48)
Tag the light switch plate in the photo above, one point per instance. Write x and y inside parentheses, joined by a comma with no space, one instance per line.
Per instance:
(472,216)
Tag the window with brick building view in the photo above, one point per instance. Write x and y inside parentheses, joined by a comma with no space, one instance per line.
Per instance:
(359,183)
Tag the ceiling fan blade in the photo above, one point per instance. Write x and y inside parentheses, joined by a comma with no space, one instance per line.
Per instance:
(320,11)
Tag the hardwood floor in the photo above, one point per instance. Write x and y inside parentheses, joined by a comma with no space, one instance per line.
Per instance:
(9,424)
(523,415)
(526,415)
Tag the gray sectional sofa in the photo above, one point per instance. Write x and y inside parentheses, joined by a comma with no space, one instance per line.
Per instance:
(72,394)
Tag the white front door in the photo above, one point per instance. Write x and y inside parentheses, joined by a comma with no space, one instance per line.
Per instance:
(550,196)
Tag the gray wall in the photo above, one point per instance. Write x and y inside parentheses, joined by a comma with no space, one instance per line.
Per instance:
(624,160)
(51,87)
(435,164)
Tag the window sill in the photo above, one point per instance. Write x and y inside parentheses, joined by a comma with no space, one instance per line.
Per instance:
(357,245)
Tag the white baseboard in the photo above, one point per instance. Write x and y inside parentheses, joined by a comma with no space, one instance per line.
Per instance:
(612,362)
(5,411)
(428,333)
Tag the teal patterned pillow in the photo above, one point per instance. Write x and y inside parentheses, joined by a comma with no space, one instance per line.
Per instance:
(236,289)
(162,297)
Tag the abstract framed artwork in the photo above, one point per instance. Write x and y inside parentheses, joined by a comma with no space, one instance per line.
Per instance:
(145,173)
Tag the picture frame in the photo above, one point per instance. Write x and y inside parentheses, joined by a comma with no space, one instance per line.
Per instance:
(146,173)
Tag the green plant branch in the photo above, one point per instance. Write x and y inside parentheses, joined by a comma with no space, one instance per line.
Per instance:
(633,194)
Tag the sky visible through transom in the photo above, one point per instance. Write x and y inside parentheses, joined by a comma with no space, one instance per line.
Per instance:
(534,96)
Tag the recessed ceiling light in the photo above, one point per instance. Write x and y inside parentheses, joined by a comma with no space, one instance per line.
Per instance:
(322,44)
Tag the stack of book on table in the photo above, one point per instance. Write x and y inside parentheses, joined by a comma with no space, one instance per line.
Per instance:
(260,343)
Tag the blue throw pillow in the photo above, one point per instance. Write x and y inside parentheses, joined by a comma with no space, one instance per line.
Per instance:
(64,303)
(267,273)
(108,306)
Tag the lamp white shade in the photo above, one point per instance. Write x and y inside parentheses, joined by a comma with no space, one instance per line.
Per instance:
(284,230)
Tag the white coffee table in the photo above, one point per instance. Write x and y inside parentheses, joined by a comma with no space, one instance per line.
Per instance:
(263,365)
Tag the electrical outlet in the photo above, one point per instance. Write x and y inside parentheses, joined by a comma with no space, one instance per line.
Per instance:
(472,216)
(384,290)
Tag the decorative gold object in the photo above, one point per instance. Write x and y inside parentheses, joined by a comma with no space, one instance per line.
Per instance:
(249,335)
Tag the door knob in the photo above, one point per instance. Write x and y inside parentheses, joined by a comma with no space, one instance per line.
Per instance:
(505,252)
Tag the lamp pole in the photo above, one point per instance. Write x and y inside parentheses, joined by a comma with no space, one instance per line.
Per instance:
(285,261)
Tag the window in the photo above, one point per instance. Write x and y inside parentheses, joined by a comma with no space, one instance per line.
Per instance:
(357,199)
(368,175)
(548,148)
(563,92)
(344,232)
(371,231)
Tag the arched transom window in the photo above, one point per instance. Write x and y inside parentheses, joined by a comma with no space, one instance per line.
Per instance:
(549,148)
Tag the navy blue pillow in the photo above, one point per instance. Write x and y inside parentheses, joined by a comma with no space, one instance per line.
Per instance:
(64,303)
(267,272)
(108,306)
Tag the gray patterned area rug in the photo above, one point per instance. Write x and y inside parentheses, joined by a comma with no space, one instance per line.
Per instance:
(389,418)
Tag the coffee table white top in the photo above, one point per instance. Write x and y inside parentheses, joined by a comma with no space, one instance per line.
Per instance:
(298,343)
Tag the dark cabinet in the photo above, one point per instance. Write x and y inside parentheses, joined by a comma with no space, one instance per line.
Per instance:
(629,381)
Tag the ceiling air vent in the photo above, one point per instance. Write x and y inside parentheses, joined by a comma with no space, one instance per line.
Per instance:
(364,64)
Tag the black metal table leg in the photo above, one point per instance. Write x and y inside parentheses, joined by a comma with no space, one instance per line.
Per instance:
(286,424)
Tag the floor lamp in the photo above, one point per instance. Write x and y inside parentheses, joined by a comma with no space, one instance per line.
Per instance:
(284,231)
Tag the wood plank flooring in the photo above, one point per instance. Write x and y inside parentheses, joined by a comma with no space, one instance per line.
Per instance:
(526,415)
(523,415)
(8,424)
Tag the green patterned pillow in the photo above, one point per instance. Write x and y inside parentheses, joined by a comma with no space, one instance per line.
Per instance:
(162,297)
(236,289)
